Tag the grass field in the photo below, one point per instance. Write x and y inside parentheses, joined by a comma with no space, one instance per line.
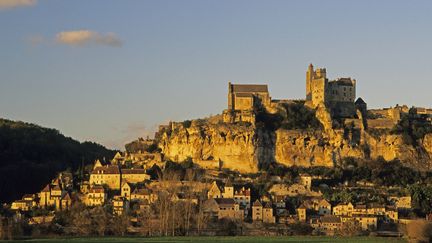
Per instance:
(239,239)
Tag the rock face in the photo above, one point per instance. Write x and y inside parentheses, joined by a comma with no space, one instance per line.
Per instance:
(247,148)
(234,146)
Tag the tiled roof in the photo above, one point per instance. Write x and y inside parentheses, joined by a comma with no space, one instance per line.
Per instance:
(257,203)
(330,219)
(225,201)
(245,88)
(246,95)
(46,188)
(133,171)
(109,169)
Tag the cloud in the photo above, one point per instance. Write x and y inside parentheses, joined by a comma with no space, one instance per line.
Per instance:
(8,4)
(35,40)
(87,37)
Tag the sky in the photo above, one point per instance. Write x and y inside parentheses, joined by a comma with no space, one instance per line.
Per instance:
(111,71)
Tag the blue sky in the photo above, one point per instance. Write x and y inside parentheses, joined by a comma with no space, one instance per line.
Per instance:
(111,71)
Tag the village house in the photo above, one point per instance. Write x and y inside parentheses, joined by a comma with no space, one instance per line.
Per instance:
(243,198)
(401,202)
(301,213)
(134,175)
(392,214)
(366,222)
(53,196)
(306,180)
(96,196)
(120,205)
(343,209)
(141,194)
(223,208)
(214,191)
(106,175)
(324,207)
(257,211)
(126,190)
(293,190)
(327,223)
(268,216)
(228,190)
(27,202)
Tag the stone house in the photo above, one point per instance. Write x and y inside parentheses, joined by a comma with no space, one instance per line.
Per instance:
(96,196)
(324,207)
(120,205)
(257,211)
(134,175)
(228,208)
(343,209)
(301,213)
(366,222)
(106,175)
(214,191)
(268,216)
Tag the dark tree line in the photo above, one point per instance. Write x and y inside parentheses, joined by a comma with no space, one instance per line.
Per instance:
(30,156)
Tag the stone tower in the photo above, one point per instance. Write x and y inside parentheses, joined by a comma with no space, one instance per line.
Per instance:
(316,84)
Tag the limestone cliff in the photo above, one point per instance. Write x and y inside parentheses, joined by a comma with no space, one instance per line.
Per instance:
(247,148)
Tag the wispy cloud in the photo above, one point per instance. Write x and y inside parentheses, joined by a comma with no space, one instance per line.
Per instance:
(35,40)
(8,4)
(87,37)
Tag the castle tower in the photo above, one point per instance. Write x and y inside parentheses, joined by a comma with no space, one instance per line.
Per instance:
(309,78)
(230,97)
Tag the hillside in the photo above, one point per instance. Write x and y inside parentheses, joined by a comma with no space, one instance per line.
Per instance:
(293,136)
(30,156)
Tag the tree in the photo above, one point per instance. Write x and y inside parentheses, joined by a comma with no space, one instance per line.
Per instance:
(120,224)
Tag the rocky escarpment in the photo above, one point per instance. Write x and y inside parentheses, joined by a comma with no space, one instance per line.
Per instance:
(235,147)
(246,148)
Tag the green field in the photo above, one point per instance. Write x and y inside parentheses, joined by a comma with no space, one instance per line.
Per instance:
(239,239)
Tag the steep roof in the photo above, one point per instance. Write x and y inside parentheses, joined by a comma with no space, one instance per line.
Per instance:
(141,191)
(97,189)
(360,101)
(249,88)
(257,203)
(66,197)
(133,171)
(109,169)
(330,219)
(225,201)
(46,188)
(268,205)
(228,183)
(324,203)
(302,206)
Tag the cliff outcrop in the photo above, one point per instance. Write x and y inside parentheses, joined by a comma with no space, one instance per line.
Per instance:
(248,148)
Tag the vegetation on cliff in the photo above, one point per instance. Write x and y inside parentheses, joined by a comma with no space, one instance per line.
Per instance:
(412,127)
(290,116)
(30,156)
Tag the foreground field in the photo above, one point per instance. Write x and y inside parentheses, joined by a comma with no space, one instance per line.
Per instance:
(244,239)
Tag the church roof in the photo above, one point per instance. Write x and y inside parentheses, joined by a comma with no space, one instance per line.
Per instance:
(246,88)
(360,101)
(244,95)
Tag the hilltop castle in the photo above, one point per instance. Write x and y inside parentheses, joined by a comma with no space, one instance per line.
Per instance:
(337,95)
(243,99)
